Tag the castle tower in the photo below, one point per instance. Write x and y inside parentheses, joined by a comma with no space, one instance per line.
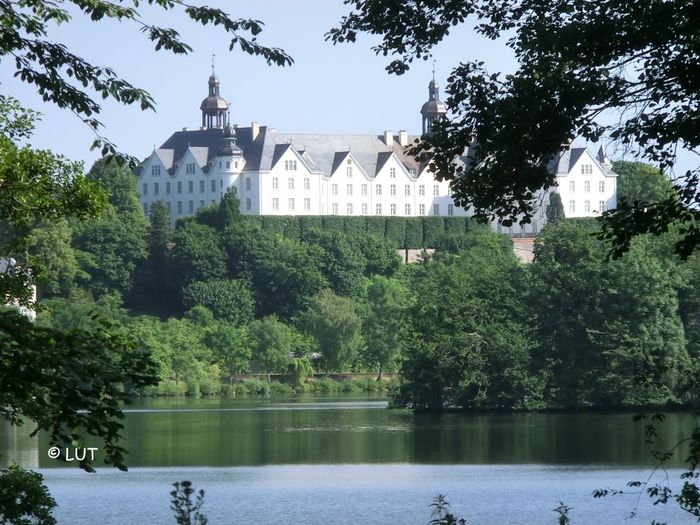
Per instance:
(214,108)
(432,110)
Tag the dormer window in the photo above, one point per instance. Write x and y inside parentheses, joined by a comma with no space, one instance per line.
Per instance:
(155,170)
(392,173)
(189,168)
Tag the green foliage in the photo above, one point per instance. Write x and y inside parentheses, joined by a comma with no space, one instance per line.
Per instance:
(231,346)
(228,299)
(24,499)
(335,325)
(340,262)
(433,231)
(383,325)
(229,211)
(70,383)
(272,343)
(641,182)
(617,324)
(469,344)
(380,256)
(441,514)
(414,233)
(197,254)
(187,511)
(395,231)
(555,209)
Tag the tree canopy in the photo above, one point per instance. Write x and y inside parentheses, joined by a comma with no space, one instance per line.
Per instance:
(578,63)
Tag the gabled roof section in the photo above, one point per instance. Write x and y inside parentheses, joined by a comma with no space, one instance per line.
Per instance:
(338,159)
(280,149)
(200,155)
(382,158)
(574,155)
(165,156)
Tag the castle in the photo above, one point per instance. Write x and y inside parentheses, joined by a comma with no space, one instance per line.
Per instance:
(305,174)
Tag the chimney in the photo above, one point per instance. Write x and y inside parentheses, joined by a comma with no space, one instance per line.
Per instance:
(389,138)
(254,130)
(403,137)
(185,129)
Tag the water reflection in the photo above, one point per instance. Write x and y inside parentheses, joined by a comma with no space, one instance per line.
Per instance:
(353,430)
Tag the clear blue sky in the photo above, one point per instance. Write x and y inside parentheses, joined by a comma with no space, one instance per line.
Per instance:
(329,89)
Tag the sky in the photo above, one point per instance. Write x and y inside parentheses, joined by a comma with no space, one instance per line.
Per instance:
(328,89)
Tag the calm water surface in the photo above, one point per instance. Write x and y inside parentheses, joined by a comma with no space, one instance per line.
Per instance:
(346,459)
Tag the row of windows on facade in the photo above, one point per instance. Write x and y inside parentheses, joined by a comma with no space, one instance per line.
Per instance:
(586,186)
(190,167)
(586,169)
(349,189)
(349,208)
(586,206)
(190,187)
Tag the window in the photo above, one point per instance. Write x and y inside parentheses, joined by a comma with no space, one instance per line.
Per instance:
(587,206)
(179,207)
(213,185)
(155,170)
(572,206)
(190,187)
(201,186)
(393,209)
(167,188)
(572,186)
(450,209)
(290,183)
(348,171)
(291,204)
(349,209)
(363,189)
(247,183)
(449,191)
(169,210)
(421,190)
(349,189)
(145,208)
(275,183)
(235,164)
(378,209)
(248,204)
(587,186)
(179,187)
(334,208)
(228,164)
(334,189)
(190,206)
(189,168)
(377,189)
(201,203)
(290,165)
(364,208)
(392,189)
(307,183)
(392,173)
(601,186)
(407,190)
(144,189)
(436,209)
(275,203)
(307,204)
(421,209)
(407,209)
(601,206)
(436,190)
(155,188)
(586,169)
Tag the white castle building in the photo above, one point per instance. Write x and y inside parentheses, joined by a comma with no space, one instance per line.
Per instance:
(305,174)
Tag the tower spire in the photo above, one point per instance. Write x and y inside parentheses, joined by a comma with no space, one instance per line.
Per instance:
(434,69)
(213,56)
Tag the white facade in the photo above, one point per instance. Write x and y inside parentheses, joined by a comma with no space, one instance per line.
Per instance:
(297,174)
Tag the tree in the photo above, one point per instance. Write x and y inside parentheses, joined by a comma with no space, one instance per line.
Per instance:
(273,344)
(639,182)
(228,299)
(384,323)
(231,347)
(555,209)
(333,322)
(197,254)
(578,62)
(24,500)
(469,342)
(341,264)
(63,77)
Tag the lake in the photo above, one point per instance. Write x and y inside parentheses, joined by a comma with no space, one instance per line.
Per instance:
(347,459)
